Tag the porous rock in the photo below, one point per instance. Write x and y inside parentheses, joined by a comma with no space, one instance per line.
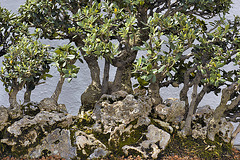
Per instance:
(172,110)
(201,121)
(121,108)
(157,140)
(3,117)
(42,119)
(56,143)
(49,104)
(96,147)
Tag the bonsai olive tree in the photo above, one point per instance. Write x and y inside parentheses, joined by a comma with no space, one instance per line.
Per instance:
(179,46)
(94,25)
(24,65)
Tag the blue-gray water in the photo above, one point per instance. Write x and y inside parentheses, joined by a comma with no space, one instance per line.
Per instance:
(71,92)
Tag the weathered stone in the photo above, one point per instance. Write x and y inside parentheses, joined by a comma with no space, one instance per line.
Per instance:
(201,121)
(90,96)
(15,113)
(157,140)
(164,124)
(42,119)
(49,104)
(161,110)
(111,113)
(88,140)
(56,143)
(3,117)
(98,153)
(173,111)
(226,130)
(155,135)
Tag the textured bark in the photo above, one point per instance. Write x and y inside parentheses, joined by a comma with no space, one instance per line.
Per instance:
(185,89)
(122,80)
(58,89)
(213,127)
(27,96)
(153,91)
(105,83)
(123,62)
(13,99)
(94,69)
(187,127)
(200,97)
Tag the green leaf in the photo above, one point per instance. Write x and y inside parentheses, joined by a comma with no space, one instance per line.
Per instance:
(71,57)
(138,48)
(161,69)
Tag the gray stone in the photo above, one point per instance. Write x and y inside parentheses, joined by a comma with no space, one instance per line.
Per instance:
(122,111)
(205,115)
(49,104)
(3,117)
(58,142)
(157,140)
(98,153)
(42,119)
(88,140)
(172,110)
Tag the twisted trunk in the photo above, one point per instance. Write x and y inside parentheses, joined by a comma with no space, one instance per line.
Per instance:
(213,127)
(13,99)
(123,62)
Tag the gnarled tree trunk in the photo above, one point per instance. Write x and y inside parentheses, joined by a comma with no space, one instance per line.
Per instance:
(13,99)
(213,127)
(123,62)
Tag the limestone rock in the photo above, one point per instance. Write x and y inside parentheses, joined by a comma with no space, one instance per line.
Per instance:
(98,153)
(157,140)
(49,104)
(3,117)
(120,108)
(226,130)
(172,110)
(58,142)
(42,119)
(96,147)
(201,121)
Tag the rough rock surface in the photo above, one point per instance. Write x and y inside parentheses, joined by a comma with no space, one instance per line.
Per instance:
(172,110)
(56,143)
(121,108)
(3,117)
(49,104)
(41,120)
(119,123)
(157,140)
(201,120)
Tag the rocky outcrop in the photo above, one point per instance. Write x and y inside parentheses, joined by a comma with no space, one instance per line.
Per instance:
(201,120)
(57,142)
(3,117)
(119,123)
(38,133)
(172,111)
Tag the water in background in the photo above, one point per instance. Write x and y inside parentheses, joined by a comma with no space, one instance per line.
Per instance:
(72,91)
